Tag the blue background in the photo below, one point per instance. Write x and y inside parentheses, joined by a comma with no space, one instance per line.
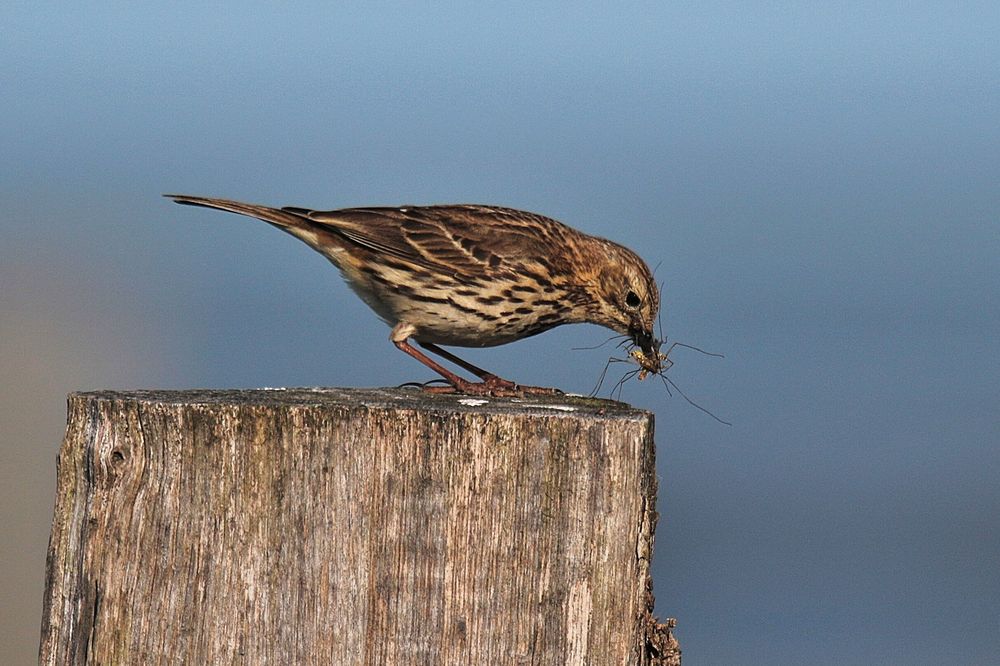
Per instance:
(817,182)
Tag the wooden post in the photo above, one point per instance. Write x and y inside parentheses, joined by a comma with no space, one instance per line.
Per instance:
(337,526)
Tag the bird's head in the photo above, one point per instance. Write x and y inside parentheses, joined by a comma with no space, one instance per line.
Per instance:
(627,299)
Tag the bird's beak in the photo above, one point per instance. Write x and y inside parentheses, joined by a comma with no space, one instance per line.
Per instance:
(645,341)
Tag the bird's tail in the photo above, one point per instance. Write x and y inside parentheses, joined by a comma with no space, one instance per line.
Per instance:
(283,219)
(292,221)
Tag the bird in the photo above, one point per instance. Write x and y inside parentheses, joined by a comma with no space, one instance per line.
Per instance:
(469,275)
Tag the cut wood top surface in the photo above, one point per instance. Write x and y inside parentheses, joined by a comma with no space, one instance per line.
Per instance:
(381,398)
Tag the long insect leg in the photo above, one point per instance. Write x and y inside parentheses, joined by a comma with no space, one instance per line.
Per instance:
(692,402)
(620,386)
(613,337)
(604,374)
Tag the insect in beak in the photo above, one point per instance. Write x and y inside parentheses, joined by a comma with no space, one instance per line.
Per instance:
(651,362)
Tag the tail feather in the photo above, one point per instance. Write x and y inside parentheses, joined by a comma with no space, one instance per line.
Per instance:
(280,218)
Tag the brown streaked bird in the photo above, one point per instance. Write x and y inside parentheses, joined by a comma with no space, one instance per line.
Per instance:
(474,276)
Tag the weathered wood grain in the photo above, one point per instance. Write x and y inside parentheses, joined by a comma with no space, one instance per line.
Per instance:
(333,526)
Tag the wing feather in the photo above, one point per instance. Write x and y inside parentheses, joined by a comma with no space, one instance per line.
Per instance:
(460,239)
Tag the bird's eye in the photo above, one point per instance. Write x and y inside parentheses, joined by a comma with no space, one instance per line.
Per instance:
(632,299)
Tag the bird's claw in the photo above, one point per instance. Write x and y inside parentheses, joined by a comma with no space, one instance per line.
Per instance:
(494,387)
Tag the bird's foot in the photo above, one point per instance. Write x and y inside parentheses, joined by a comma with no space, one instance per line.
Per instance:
(493,386)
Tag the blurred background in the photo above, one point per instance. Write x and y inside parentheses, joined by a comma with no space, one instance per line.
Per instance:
(816,182)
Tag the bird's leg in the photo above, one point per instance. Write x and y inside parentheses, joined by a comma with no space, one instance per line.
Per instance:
(491,384)
(456,381)
(485,375)
(498,385)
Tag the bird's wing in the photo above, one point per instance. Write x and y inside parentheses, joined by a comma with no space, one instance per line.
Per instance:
(458,239)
